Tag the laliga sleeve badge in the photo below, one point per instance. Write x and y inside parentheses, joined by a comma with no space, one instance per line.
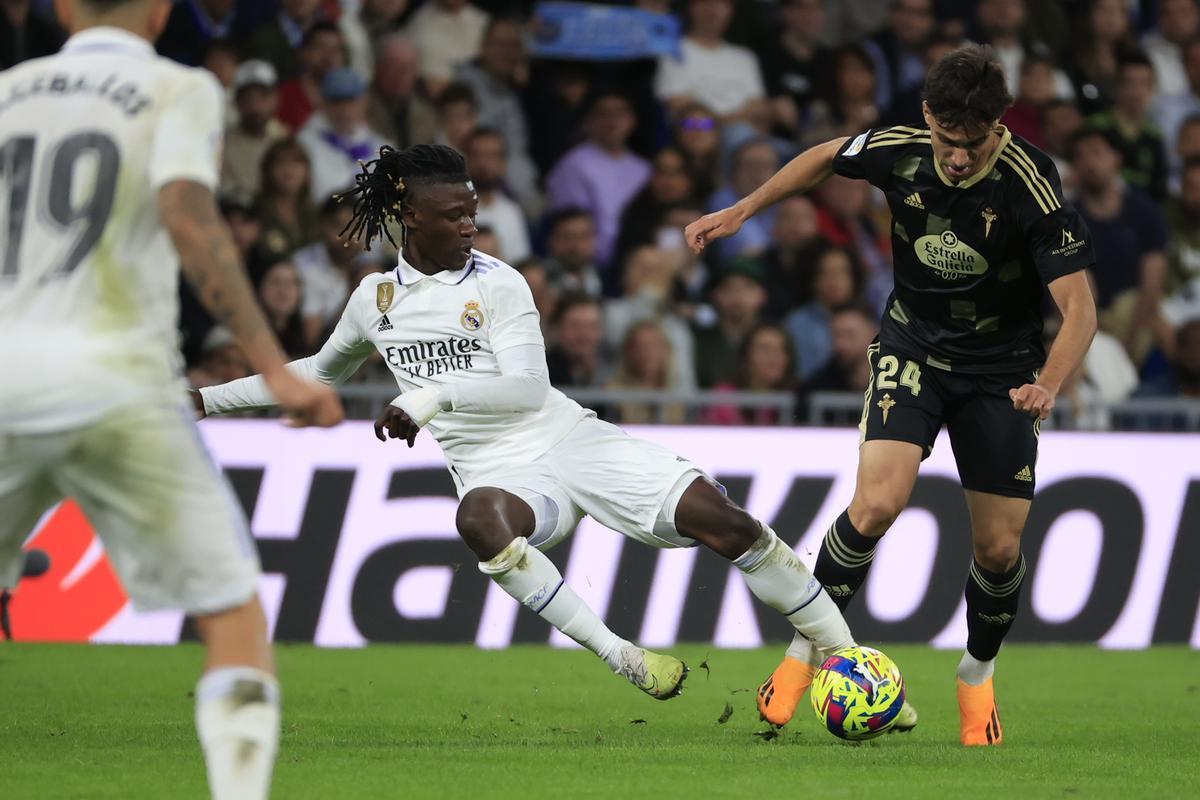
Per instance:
(472,317)
(384,294)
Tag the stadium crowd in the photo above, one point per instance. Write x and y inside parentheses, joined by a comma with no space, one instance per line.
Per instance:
(587,172)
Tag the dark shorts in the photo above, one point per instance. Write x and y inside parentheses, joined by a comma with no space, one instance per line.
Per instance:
(995,446)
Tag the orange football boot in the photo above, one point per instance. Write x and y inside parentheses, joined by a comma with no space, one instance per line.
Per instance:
(781,692)
(979,720)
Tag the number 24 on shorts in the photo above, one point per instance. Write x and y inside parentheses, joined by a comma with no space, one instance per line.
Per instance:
(909,378)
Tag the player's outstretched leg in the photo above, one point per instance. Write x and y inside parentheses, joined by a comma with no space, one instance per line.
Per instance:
(993,594)
(237,703)
(494,524)
(886,473)
(778,578)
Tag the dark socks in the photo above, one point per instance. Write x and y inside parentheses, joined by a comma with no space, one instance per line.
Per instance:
(844,560)
(992,602)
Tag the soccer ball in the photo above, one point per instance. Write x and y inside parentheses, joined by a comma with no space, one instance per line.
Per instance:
(857,693)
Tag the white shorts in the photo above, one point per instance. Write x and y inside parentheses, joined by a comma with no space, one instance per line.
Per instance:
(627,484)
(167,518)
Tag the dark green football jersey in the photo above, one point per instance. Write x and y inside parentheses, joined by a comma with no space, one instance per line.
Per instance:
(971,259)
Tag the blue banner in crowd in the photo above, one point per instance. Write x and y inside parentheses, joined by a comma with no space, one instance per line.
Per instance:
(602,33)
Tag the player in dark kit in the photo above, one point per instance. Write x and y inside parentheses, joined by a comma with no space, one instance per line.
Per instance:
(979,227)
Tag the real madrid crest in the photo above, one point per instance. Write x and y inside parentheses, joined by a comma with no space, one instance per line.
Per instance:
(384,293)
(472,317)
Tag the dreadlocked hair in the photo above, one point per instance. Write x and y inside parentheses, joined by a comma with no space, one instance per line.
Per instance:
(384,184)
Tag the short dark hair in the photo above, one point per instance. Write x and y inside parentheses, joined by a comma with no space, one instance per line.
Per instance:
(1190,164)
(573,300)
(1084,134)
(859,307)
(317,29)
(1133,58)
(484,132)
(386,183)
(558,217)
(967,89)
(456,93)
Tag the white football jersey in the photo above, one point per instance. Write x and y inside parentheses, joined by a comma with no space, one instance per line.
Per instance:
(88,274)
(447,328)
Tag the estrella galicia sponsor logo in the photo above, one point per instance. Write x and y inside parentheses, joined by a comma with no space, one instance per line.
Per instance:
(424,359)
(948,256)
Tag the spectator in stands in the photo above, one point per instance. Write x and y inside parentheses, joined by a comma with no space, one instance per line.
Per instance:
(766,364)
(284,202)
(221,59)
(487,242)
(601,175)
(221,360)
(576,355)
(337,138)
(698,136)
(364,28)
(487,163)
(278,40)
(1105,34)
(457,116)
(545,294)
(847,219)
(279,293)
(788,262)
(1061,120)
(447,33)
(1036,90)
(241,215)
(1184,378)
(738,298)
(896,51)
(195,24)
(1129,237)
(799,68)
(754,162)
(724,77)
(645,363)
(852,107)
(1128,126)
(1171,111)
(1178,23)
(556,101)
(1187,148)
(670,184)
(1003,24)
(496,77)
(321,52)
(571,250)
(396,108)
(1182,286)
(26,34)
(692,276)
(852,328)
(649,285)
(256,130)
(836,282)
(906,106)
(325,267)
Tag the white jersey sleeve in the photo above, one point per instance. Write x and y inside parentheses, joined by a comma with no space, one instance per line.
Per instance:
(187,140)
(514,316)
(340,357)
(521,386)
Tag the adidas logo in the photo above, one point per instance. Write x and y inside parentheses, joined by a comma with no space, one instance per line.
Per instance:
(385,324)
(914,200)
(1025,474)
(998,619)
(840,591)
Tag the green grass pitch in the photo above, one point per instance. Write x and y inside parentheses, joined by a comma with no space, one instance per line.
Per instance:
(530,722)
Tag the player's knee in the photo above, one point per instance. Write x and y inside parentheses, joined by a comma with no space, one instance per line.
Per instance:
(483,522)
(998,554)
(873,514)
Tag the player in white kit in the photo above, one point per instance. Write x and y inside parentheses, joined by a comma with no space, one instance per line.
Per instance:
(461,335)
(108,157)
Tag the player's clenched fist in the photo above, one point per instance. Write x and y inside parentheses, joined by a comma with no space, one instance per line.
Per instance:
(397,424)
(711,227)
(304,402)
(1036,401)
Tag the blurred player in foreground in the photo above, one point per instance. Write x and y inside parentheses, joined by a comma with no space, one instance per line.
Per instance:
(460,332)
(979,232)
(108,156)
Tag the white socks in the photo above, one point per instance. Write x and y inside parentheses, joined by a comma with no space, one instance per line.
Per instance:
(777,577)
(974,672)
(534,582)
(237,717)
